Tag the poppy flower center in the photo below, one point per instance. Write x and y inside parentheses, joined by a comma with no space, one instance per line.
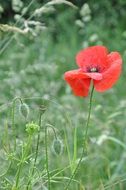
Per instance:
(94,69)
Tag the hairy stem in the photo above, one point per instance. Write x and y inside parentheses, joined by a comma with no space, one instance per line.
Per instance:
(24,156)
(36,153)
(47,159)
(84,150)
(13,119)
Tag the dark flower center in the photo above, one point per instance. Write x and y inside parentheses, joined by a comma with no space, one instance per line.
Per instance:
(93,69)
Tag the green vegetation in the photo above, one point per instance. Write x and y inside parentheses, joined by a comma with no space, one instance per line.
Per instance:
(41,121)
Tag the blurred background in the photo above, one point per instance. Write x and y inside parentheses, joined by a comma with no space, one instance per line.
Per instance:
(54,34)
(38,44)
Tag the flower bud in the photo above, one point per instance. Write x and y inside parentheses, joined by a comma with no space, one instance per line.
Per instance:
(42,109)
(24,110)
(32,128)
(57,146)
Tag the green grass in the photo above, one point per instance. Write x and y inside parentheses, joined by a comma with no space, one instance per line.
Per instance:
(33,69)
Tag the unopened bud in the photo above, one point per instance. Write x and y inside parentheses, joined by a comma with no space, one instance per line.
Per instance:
(57,146)
(42,109)
(24,110)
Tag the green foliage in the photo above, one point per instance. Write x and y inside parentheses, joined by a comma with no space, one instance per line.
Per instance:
(32,67)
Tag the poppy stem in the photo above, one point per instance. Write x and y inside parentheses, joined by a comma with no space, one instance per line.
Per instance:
(88,120)
(13,119)
(47,158)
(84,150)
(36,152)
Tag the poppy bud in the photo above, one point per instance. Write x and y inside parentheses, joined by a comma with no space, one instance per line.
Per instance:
(57,146)
(32,128)
(42,109)
(24,110)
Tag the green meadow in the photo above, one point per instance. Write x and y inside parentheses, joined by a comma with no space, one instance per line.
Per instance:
(41,121)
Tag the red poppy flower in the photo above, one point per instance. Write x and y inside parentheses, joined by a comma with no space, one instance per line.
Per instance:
(96,64)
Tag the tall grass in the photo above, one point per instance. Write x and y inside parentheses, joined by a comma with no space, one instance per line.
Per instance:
(41,143)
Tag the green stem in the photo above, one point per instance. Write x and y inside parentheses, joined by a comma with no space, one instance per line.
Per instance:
(53,129)
(84,150)
(47,159)
(88,120)
(37,146)
(13,124)
(36,153)
(22,161)
(13,119)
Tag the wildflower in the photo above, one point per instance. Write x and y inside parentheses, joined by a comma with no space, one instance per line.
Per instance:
(96,64)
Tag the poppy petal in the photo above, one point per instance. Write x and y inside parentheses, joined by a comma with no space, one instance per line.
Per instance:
(75,73)
(111,75)
(78,81)
(95,76)
(114,57)
(79,73)
(94,56)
